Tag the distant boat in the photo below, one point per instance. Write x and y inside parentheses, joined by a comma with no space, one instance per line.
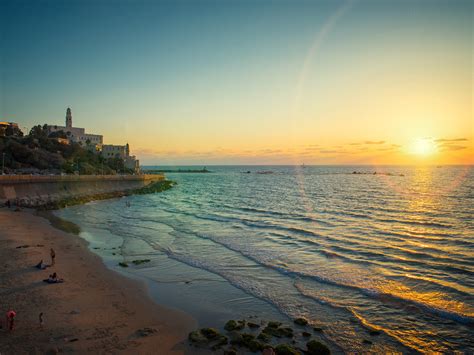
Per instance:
(303,166)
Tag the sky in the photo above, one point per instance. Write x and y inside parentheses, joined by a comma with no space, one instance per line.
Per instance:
(248,82)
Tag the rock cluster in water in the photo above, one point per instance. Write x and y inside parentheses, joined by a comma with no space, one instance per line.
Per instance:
(275,335)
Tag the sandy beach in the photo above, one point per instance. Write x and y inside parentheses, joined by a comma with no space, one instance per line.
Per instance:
(95,310)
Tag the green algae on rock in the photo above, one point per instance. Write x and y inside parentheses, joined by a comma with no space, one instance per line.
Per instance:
(317,348)
(285,349)
(301,321)
(234,325)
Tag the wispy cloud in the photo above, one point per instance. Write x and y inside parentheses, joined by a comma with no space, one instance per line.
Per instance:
(445,140)
(374,142)
(450,144)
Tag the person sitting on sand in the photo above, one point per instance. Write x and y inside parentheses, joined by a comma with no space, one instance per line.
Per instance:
(41,265)
(53,279)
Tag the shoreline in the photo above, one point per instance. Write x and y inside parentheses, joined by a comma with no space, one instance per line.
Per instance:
(95,310)
(186,287)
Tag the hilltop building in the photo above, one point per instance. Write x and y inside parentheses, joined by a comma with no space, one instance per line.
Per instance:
(95,142)
(122,152)
(76,134)
(9,129)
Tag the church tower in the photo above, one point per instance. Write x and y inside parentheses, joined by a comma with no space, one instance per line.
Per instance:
(68,118)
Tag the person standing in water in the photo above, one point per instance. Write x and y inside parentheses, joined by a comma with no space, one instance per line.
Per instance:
(53,256)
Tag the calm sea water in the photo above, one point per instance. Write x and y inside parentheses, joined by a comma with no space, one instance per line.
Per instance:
(392,251)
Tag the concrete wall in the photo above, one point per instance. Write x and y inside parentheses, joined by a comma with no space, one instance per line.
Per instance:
(31,190)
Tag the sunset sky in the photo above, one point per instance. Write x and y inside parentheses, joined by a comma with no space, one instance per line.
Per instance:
(248,82)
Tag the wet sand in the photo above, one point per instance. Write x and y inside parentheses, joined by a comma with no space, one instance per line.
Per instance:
(95,310)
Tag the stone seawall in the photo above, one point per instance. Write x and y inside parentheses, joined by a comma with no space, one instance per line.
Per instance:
(35,191)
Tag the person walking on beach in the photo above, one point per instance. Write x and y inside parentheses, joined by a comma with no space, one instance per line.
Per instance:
(41,322)
(11,320)
(53,256)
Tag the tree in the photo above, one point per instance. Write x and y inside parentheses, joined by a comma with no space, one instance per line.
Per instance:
(14,131)
(58,134)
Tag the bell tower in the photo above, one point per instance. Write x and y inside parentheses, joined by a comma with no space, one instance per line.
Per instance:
(68,118)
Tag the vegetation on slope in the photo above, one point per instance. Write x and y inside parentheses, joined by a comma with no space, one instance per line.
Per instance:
(39,151)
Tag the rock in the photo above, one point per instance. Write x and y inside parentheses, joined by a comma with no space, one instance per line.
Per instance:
(285,349)
(317,329)
(264,337)
(255,346)
(230,352)
(230,325)
(221,340)
(273,324)
(210,333)
(366,341)
(123,264)
(197,337)
(278,332)
(286,332)
(374,332)
(141,261)
(253,325)
(300,321)
(233,325)
(208,336)
(306,334)
(248,337)
(317,348)
(248,341)
(144,332)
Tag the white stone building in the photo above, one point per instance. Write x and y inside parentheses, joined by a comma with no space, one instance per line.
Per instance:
(123,152)
(76,134)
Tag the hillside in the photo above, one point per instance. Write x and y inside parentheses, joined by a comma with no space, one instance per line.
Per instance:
(41,153)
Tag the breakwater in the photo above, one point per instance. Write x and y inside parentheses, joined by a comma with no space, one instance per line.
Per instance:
(59,191)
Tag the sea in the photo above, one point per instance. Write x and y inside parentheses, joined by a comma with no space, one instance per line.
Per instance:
(377,258)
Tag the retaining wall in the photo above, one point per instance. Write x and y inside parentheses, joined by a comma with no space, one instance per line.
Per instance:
(32,190)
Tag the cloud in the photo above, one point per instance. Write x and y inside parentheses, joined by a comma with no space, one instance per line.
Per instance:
(374,142)
(450,144)
(452,147)
(367,142)
(332,151)
(445,140)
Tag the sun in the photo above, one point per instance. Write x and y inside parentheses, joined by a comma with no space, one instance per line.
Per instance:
(423,147)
